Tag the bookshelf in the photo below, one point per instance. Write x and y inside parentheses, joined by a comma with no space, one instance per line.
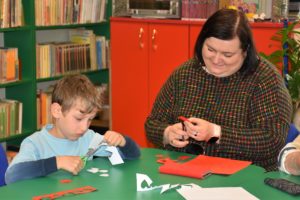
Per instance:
(25,39)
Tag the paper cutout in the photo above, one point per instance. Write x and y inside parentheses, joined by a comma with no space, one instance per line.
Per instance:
(65,181)
(193,192)
(103,172)
(183,157)
(81,190)
(115,158)
(104,175)
(140,178)
(93,170)
(201,166)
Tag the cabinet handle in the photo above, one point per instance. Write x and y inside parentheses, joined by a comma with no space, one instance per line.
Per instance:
(154,45)
(141,43)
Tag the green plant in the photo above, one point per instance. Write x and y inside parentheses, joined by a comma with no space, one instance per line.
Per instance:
(287,37)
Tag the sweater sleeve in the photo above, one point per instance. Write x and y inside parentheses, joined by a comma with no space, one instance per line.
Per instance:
(30,169)
(131,150)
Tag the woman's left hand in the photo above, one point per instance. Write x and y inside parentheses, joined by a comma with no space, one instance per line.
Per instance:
(199,129)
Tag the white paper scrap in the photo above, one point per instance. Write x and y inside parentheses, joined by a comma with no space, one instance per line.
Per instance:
(103,170)
(104,175)
(115,158)
(93,170)
(167,187)
(224,193)
(140,178)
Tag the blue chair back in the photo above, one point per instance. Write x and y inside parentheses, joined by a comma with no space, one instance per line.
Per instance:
(292,134)
(3,165)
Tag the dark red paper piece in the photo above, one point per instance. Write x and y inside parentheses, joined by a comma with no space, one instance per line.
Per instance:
(81,190)
(65,181)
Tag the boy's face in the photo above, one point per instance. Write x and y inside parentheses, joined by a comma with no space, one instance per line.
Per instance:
(72,124)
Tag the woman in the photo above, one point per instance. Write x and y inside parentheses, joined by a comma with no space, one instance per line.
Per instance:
(229,95)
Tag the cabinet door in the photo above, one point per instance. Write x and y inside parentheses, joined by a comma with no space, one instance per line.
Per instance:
(168,48)
(129,78)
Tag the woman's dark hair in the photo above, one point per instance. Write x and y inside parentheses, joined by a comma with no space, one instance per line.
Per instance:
(225,24)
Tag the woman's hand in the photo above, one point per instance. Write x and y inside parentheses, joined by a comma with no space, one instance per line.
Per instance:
(201,130)
(176,136)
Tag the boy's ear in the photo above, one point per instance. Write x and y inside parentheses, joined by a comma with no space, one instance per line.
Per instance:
(55,110)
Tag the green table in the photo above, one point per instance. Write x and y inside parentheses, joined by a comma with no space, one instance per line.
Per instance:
(121,184)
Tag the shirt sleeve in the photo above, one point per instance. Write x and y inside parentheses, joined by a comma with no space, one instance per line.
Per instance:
(30,169)
(131,150)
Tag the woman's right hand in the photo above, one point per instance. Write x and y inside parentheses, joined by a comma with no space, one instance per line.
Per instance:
(175,136)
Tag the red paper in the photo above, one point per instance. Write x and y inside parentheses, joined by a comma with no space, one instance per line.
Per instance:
(82,190)
(202,165)
(65,181)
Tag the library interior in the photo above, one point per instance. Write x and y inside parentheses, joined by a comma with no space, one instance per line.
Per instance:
(132,50)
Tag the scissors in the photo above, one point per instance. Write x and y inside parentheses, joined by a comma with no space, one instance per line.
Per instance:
(91,152)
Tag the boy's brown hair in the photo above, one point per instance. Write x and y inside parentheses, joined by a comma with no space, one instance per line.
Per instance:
(75,87)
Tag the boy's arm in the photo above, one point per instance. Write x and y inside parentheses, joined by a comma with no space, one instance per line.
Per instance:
(30,169)
(131,150)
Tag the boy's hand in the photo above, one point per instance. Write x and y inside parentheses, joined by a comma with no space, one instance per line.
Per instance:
(113,138)
(71,164)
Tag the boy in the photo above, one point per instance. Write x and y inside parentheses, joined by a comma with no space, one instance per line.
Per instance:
(75,102)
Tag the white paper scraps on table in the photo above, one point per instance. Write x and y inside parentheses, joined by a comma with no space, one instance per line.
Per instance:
(93,170)
(167,187)
(115,158)
(193,192)
(140,178)
(104,175)
(103,170)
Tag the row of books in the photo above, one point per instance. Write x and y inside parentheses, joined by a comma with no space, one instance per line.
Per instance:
(10,117)
(43,102)
(83,52)
(198,9)
(9,65)
(203,9)
(11,13)
(61,12)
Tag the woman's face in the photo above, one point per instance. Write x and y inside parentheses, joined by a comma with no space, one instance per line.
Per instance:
(222,57)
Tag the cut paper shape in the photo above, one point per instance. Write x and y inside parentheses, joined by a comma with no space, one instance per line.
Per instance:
(93,170)
(115,158)
(104,175)
(103,170)
(81,190)
(193,192)
(202,166)
(167,187)
(183,157)
(140,178)
(65,181)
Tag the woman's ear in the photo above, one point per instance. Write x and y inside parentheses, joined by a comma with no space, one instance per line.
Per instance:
(55,110)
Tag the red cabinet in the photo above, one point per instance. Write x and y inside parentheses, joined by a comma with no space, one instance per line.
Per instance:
(143,54)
